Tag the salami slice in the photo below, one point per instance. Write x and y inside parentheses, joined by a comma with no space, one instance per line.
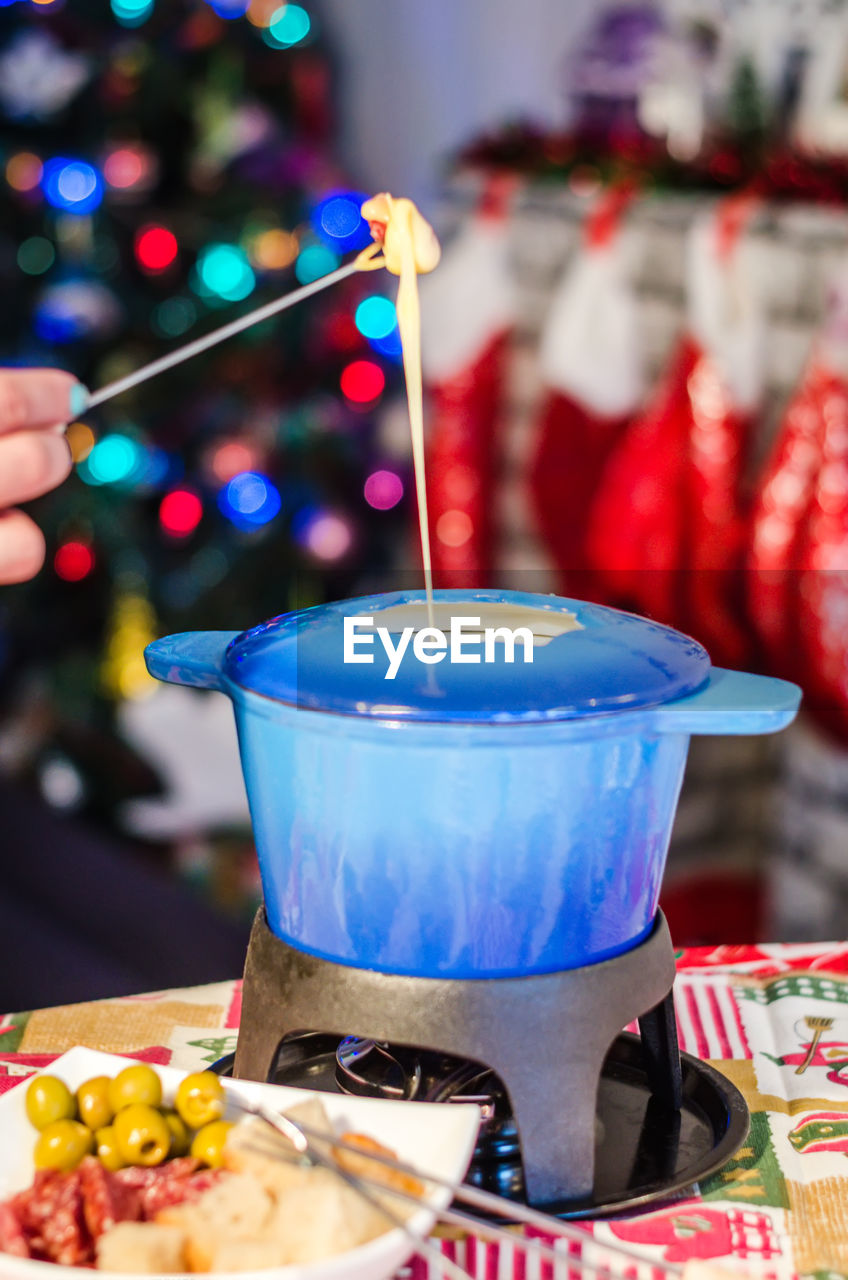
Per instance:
(12,1237)
(105,1199)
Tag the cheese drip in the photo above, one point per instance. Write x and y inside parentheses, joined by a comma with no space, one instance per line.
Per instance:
(409,247)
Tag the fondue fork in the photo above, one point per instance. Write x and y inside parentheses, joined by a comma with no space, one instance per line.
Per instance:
(212,339)
(304,1140)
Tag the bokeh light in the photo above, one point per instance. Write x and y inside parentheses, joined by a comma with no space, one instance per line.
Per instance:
(35,256)
(339,223)
(113,460)
(74,186)
(180,512)
(315,261)
(454,528)
(383,490)
(261,12)
(155,248)
(224,272)
(376,317)
(230,458)
(73,561)
(131,13)
(389,347)
(229,9)
(24,171)
(249,500)
(273,250)
(290,23)
(173,317)
(124,167)
(81,439)
(362,382)
(325,535)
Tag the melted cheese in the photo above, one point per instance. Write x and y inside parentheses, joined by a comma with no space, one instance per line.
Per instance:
(409,247)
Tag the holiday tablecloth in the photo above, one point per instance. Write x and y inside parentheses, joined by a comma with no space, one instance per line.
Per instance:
(774,1019)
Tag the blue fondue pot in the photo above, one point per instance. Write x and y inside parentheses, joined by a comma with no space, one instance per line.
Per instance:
(467,819)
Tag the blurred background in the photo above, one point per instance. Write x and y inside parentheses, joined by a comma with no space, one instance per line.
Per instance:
(637,392)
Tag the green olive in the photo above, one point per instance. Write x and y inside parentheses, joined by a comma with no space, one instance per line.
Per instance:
(200,1099)
(136,1084)
(93,1103)
(48,1099)
(208,1143)
(62,1144)
(107,1149)
(180,1135)
(142,1135)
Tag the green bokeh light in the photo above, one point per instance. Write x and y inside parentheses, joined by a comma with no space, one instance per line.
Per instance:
(36,255)
(173,317)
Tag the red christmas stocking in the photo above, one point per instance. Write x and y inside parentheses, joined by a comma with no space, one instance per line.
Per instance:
(467,314)
(591,363)
(667,529)
(823,579)
(636,523)
(779,517)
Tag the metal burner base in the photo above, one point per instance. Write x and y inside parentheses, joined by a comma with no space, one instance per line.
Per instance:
(546,1035)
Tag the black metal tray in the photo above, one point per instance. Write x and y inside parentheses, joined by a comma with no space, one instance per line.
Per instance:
(644,1152)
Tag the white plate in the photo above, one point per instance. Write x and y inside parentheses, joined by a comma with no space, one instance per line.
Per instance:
(438,1139)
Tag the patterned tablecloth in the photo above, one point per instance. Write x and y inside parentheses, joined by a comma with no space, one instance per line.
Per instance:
(773,1019)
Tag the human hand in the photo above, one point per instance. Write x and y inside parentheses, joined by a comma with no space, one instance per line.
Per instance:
(34,458)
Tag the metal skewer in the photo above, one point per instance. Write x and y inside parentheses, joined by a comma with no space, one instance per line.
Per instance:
(467,1221)
(194,348)
(487,1201)
(304,1139)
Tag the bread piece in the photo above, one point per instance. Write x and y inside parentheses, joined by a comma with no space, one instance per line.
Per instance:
(245,1150)
(236,1208)
(363,1167)
(322,1217)
(247,1255)
(142,1248)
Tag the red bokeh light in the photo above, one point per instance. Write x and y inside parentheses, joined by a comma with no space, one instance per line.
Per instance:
(180,512)
(73,561)
(156,248)
(231,458)
(362,382)
(124,167)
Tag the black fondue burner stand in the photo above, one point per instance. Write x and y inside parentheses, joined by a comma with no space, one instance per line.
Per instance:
(545,1035)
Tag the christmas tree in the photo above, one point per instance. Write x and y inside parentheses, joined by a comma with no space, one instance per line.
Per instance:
(166,167)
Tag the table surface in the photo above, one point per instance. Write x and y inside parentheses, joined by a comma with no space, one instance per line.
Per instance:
(778,1209)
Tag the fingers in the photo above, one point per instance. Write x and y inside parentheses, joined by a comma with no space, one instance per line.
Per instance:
(31,398)
(22,547)
(31,463)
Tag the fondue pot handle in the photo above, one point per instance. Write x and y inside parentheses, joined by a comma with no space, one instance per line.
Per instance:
(190,657)
(731,702)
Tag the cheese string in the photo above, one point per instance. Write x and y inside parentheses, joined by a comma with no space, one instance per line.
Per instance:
(398,237)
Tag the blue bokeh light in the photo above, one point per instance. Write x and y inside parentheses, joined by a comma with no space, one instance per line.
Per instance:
(249,500)
(389,347)
(74,186)
(229,9)
(337,220)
